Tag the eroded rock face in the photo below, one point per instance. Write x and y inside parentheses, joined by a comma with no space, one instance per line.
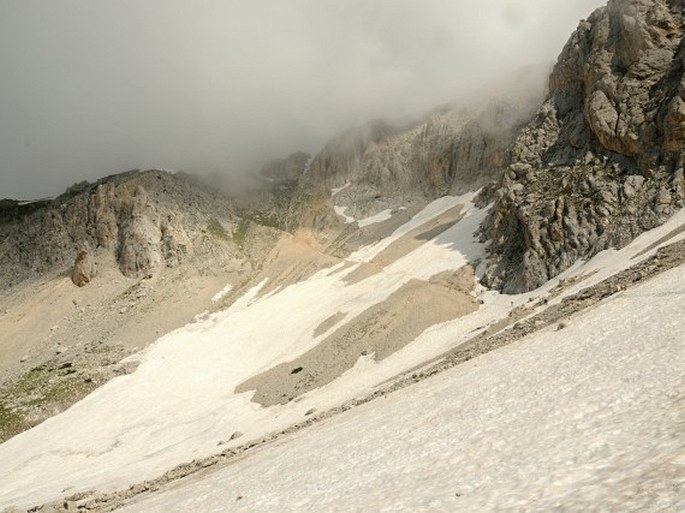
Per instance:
(143,219)
(603,159)
(381,166)
(140,235)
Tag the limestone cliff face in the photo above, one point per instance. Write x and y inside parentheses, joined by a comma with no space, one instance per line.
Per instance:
(383,166)
(603,159)
(143,219)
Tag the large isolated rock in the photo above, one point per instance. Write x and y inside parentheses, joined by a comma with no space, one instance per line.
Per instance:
(84,269)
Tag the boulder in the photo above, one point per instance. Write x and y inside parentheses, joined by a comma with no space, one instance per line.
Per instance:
(84,269)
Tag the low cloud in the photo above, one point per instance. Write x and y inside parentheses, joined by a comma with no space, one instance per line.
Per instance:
(91,88)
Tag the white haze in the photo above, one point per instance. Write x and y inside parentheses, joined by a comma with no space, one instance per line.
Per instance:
(94,87)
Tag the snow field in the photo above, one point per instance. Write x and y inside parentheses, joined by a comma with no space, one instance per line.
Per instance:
(179,403)
(588,418)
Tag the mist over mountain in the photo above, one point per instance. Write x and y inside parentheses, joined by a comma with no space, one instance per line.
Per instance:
(94,88)
(403,263)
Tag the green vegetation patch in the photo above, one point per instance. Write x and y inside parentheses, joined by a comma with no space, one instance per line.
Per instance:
(215,228)
(38,394)
(66,391)
(11,423)
(240,233)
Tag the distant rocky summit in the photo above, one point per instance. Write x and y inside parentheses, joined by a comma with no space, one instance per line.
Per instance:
(140,219)
(382,166)
(603,159)
(290,168)
(452,151)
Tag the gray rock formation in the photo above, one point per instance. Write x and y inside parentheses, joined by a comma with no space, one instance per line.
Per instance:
(603,159)
(383,166)
(143,219)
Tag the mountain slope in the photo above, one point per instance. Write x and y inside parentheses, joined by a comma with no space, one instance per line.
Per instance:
(552,422)
(159,246)
(181,400)
(336,283)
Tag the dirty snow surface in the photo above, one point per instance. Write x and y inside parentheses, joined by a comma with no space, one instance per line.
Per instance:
(589,418)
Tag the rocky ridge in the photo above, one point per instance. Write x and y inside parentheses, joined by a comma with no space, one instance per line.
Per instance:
(602,161)
(383,166)
(394,168)
(143,219)
(290,168)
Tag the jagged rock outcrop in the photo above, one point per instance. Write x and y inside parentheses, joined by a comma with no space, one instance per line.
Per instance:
(603,159)
(84,269)
(383,166)
(143,219)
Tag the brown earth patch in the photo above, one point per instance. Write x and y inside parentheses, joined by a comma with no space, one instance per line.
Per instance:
(363,271)
(294,259)
(406,244)
(59,342)
(381,330)
(563,285)
(352,237)
(461,280)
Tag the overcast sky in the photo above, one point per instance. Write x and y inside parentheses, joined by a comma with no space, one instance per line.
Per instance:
(92,87)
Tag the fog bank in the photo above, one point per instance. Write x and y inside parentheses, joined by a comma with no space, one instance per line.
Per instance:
(90,88)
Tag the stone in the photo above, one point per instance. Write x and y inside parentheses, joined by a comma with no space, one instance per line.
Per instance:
(663,197)
(563,324)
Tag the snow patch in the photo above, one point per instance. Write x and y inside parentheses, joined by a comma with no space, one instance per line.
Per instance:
(341,211)
(336,190)
(222,293)
(586,418)
(378,218)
